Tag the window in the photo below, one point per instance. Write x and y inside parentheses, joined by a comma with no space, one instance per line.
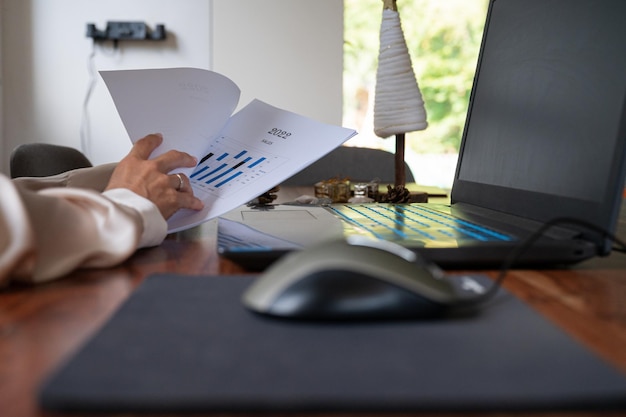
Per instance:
(443,38)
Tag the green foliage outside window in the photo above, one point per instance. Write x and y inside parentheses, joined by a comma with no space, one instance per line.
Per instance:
(443,37)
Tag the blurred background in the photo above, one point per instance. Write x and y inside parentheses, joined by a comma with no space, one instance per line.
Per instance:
(317,58)
(443,38)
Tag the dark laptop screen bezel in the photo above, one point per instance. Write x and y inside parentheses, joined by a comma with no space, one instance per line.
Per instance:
(537,205)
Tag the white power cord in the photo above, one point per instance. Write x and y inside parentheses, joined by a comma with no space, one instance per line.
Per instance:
(85,128)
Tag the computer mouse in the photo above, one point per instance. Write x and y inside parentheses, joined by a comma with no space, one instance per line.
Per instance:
(353,279)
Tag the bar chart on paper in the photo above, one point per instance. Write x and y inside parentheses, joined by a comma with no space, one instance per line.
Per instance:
(228,166)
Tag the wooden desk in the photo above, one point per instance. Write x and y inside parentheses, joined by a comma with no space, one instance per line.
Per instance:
(41,326)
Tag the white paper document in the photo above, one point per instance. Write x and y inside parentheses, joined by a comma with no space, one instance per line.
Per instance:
(240,156)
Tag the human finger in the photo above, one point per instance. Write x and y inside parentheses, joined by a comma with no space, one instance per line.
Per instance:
(180,181)
(144,147)
(175,159)
(185,193)
(189,201)
(183,199)
(183,186)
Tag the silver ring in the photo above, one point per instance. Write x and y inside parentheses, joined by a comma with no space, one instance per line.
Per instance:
(181,183)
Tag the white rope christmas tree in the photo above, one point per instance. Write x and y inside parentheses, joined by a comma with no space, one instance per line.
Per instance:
(398,104)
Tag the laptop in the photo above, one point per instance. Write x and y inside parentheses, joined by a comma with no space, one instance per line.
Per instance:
(544,138)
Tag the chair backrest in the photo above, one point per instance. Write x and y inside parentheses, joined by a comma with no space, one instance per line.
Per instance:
(356,164)
(45,159)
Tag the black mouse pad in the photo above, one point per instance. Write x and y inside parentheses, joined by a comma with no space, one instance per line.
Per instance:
(186,343)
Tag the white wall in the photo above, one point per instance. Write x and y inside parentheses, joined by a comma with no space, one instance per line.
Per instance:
(287,52)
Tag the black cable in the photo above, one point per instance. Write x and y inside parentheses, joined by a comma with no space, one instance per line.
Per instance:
(617,249)
(517,252)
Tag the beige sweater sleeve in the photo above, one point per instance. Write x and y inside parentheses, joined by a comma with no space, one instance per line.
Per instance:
(51,226)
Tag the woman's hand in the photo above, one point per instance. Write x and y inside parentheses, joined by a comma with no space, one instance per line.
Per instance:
(149,178)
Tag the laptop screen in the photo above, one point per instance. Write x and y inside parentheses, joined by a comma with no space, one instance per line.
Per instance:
(545,131)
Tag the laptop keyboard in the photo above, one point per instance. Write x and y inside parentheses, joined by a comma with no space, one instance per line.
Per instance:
(399,222)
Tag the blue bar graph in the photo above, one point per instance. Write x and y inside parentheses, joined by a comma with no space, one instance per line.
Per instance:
(209,171)
(229,166)
(257,162)
(212,172)
(232,177)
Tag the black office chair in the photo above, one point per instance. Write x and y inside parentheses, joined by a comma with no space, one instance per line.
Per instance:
(45,159)
(356,164)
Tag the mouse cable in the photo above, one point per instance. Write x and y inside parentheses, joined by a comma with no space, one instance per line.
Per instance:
(618,249)
(517,252)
